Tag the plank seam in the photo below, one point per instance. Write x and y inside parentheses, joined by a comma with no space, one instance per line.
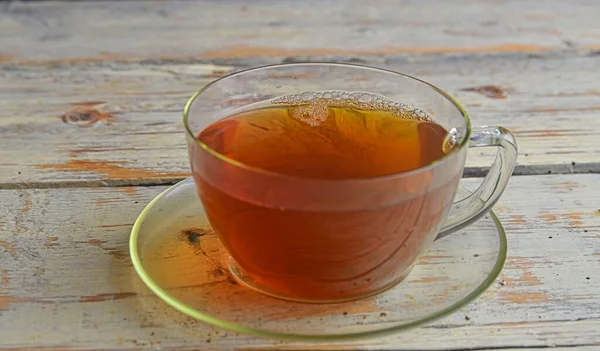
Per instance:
(470,172)
(239,63)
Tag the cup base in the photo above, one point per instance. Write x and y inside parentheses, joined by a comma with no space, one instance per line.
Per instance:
(246,280)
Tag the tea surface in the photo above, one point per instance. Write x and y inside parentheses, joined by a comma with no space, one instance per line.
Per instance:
(319,141)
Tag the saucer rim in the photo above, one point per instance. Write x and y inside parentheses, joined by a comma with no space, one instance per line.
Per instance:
(212,320)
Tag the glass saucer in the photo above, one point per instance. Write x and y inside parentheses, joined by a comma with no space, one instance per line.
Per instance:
(180,259)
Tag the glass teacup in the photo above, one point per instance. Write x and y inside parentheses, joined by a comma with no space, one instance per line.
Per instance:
(317,239)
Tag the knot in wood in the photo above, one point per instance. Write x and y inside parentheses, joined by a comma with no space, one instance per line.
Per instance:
(85,116)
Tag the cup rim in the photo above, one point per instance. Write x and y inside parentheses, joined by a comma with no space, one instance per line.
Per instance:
(236,163)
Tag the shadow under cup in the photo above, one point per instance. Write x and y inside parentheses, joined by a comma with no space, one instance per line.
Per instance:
(320,240)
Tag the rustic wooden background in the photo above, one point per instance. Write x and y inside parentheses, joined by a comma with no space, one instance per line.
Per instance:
(91,97)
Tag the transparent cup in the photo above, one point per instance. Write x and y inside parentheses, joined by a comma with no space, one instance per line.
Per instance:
(360,236)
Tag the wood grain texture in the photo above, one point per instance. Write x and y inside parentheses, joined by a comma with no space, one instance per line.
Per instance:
(130,30)
(91,94)
(121,123)
(66,281)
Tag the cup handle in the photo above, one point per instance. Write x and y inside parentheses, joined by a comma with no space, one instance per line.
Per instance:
(468,210)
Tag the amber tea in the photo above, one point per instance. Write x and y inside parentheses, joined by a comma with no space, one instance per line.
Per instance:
(328,254)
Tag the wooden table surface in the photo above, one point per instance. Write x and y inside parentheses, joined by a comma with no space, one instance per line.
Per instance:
(91,97)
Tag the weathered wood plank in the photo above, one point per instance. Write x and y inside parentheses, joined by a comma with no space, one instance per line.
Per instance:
(132,132)
(87,31)
(66,280)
